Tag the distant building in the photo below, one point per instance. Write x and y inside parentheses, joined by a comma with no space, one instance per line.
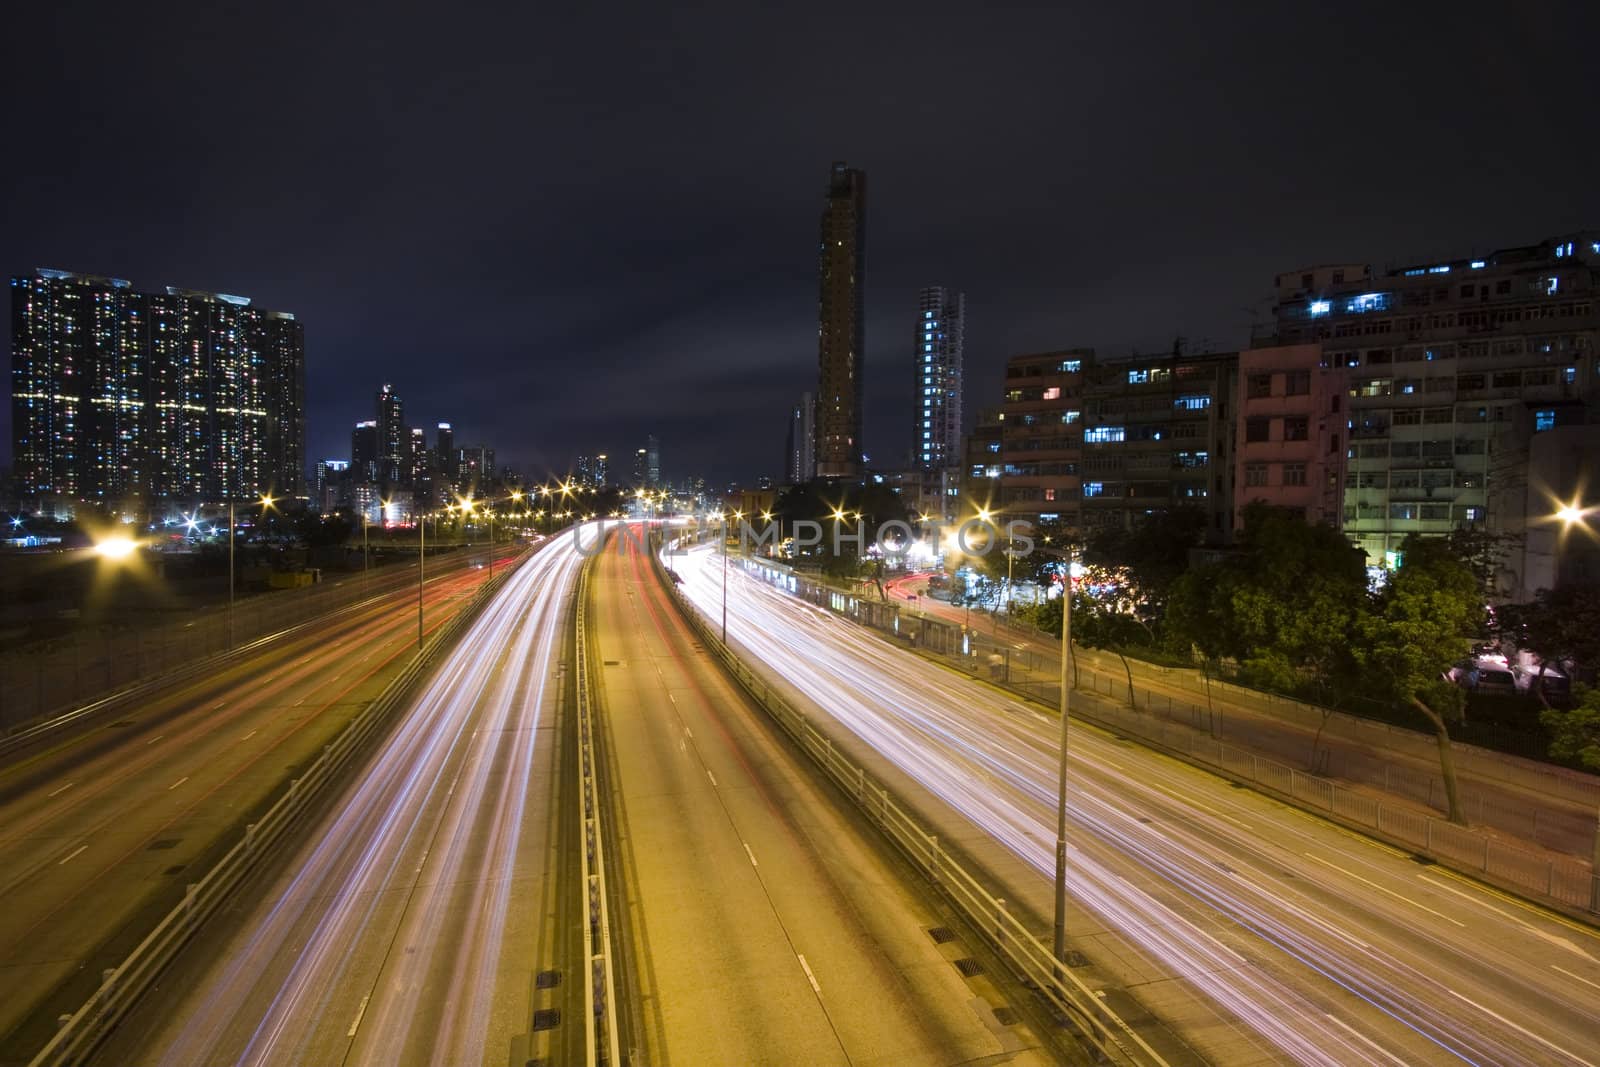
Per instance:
(364,451)
(583,472)
(123,398)
(841,334)
(416,471)
(474,469)
(327,493)
(981,465)
(639,466)
(652,462)
(937,343)
(1454,366)
(444,450)
(800,445)
(1291,433)
(1041,437)
(394,438)
(602,471)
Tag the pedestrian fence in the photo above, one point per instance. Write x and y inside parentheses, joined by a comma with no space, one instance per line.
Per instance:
(1032,960)
(121,986)
(1193,732)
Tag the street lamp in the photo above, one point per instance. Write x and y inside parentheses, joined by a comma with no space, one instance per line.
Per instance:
(1572,514)
(266,502)
(1060,943)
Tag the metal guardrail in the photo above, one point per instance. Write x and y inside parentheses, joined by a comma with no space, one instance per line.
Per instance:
(1028,956)
(120,986)
(600,1039)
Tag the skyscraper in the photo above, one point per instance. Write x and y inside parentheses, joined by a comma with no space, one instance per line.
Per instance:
(800,452)
(840,333)
(600,471)
(394,444)
(652,461)
(364,451)
(121,396)
(940,331)
(444,446)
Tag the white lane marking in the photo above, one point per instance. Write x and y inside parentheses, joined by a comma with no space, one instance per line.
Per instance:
(688,733)
(1519,1029)
(1365,1040)
(712,777)
(362,1010)
(672,698)
(1543,935)
(806,967)
(154,739)
(71,854)
(1569,974)
(752,855)
(218,704)
(176,784)
(249,735)
(1107,762)
(297,703)
(64,788)
(1384,889)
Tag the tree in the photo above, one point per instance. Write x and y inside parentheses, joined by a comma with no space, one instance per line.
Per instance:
(1155,554)
(1559,626)
(1575,733)
(1425,619)
(1096,624)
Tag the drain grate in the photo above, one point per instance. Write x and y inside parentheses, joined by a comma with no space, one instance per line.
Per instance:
(1006,1016)
(164,843)
(546,1019)
(969,967)
(547,979)
(941,934)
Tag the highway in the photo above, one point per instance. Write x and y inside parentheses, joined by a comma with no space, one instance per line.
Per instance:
(406,929)
(1264,935)
(764,924)
(100,830)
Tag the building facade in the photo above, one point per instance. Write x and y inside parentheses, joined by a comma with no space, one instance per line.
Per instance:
(1041,437)
(840,329)
(1291,436)
(800,446)
(125,399)
(394,439)
(1454,366)
(938,340)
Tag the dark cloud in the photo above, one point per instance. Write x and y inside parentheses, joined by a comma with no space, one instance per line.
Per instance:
(562,230)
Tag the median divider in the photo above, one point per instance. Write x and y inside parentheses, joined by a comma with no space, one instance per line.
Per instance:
(122,985)
(1029,957)
(601,1044)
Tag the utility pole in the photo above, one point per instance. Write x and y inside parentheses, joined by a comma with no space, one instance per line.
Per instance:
(1060,946)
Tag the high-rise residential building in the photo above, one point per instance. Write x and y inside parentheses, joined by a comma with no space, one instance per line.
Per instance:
(980,468)
(840,331)
(1291,433)
(416,471)
(800,447)
(474,469)
(937,367)
(327,490)
(444,447)
(602,471)
(1454,367)
(364,451)
(1041,437)
(121,397)
(584,471)
(652,461)
(640,461)
(394,439)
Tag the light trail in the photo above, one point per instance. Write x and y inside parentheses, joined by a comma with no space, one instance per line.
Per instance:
(1346,980)
(394,914)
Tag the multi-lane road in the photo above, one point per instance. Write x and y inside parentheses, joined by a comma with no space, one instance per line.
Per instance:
(1265,935)
(763,926)
(100,829)
(412,924)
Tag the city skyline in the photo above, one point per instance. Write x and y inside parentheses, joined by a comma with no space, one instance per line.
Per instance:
(1140,227)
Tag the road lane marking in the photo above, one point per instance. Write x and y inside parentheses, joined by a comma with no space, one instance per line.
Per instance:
(1569,974)
(249,735)
(1545,936)
(752,855)
(1384,889)
(360,1011)
(1543,913)
(176,784)
(1365,1040)
(154,739)
(297,703)
(1520,1029)
(806,967)
(71,854)
(218,704)
(712,777)
(64,788)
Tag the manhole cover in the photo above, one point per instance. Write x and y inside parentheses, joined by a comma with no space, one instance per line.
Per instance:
(1005,1016)
(546,1019)
(969,967)
(941,934)
(164,843)
(547,980)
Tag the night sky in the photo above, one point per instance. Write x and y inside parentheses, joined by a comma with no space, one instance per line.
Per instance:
(564,227)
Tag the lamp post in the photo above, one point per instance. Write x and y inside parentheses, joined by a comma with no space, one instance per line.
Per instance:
(722,526)
(1570,515)
(422,554)
(266,502)
(1060,942)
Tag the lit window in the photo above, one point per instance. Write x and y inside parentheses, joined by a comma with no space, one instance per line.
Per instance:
(1093,488)
(1544,419)
(1551,289)
(1320,307)
(927,314)
(1069,366)
(1138,377)
(1570,375)
(1070,416)
(1103,435)
(1357,305)
(1052,393)
(1478,264)
(1192,402)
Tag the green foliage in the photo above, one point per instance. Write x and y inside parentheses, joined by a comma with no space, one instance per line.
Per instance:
(1155,554)
(1557,625)
(1426,618)
(1095,624)
(1575,733)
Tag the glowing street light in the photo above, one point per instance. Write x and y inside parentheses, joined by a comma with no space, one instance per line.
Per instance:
(116,548)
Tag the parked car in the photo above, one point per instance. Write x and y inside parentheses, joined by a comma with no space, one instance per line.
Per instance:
(1483,674)
(1556,684)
